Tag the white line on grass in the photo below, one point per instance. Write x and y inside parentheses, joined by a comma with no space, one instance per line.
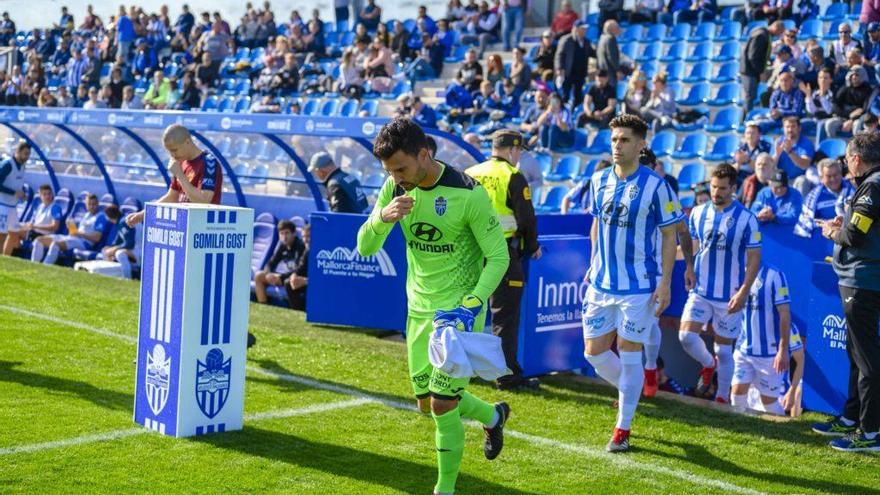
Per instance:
(115,435)
(614,459)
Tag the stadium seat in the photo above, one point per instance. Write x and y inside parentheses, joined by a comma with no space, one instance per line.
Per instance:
(676,51)
(107,200)
(730,30)
(698,74)
(242,148)
(697,95)
(811,28)
(687,202)
(650,69)
(630,49)
(566,168)
(655,34)
(328,108)
(663,143)
(265,239)
(730,50)
(400,88)
(349,108)
(27,213)
(130,205)
(833,148)
(703,32)
(675,71)
(690,174)
(728,72)
(374,181)
(226,105)
(545,162)
(620,90)
(210,104)
(727,94)
(835,11)
(679,32)
(64,199)
(601,144)
(693,146)
(311,107)
(370,107)
(243,104)
(726,120)
(699,52)
(589,170)
(553,201)
(632,33)
(649,53)
(750,27)
(723,148)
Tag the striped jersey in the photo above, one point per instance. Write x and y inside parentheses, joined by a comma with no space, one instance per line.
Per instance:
(760,336)
(820,204)
(724,236)
(629,211)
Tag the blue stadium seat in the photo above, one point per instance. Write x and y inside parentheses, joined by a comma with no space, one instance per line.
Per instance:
(649,53)
(730,30)
(755,113)
(243,87)
(728,72)
(675,71)
(589,170)
(750,27)
(723,148)
(349,108)
(210,104)
(130,205)
(545,162)
(242,54)
(699,73)
(566,168)
(630,49)
(650,69)
(697,95)
(690,174)
(242,148)
(328,108)
(24,204)
(106,200)
(27,213)
(835,11)
(730,50)
(243,104)
(831,34)
(265,239)
(727,94)
(811,28)
(601,144)
(370,107)
(833,148)
(687,202)
(400,88)
(620,90)
(676,51)
(227,105)
(654,34)
(553,201)
(679,32)
(632,33)
(374,180)
(663,143)
(311,107)
(227,86)
(458,53)
(693,146)
(726,120)
(703,32)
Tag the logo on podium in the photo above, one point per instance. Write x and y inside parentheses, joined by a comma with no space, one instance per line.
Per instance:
(212,382)
(157,381)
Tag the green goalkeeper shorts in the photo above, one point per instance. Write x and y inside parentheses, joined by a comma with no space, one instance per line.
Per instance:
(427,380)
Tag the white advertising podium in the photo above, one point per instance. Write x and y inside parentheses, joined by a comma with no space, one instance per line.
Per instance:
(192,330)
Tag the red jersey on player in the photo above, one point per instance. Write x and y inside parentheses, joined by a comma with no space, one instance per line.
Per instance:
(203,172)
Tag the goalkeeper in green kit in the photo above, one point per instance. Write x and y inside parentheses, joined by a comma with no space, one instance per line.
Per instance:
(450,228)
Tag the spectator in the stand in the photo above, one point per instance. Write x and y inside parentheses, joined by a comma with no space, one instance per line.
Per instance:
(778,204)
(786,101)
(555,126)
(399,42)
(793,152)
(217,43)
(145,60)
(599,104)
(130,101)
(191,96)
(63,98)
(283,262)
(423,16)
(267,104)
(753,61)
(341,10)
(484,29)
(422,113)
(637,93)
(871,44)
(546,53)
(93,226)
(854,58)
(645,11)
(470,73)
(765,169)
(156,96)
(850,102)
(564,20)
(814,62)
(7,29)
(609,10)
(608,52)
(520,72)
(286,80)
(529,126)
(773,10)
(223,25)
(789,39)
(371,15)
(660,107)
(577,200)
(350,81)
(207,72)
(379,68)
(116,85)
(820,204)
(93,102)
(61,57)
(870,12)
(494,69)
(46,99)
(125,34)
(512,22)
(572,58)
(344,193)
(314,40)
(77,67)
(299,279)
(749,149)
(820,102)
(185,22)
(843,44)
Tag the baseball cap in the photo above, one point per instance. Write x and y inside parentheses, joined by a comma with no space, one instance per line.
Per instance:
(780,177)
(320,159)
(874,27)
(506,138)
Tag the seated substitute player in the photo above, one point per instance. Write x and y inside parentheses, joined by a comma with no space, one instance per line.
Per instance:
(46,220)
(728,246)
(628,203)
(450,228)
(93,226)
(121,246)
(299,278)
(762,351)
(198,177)
(283,261)
(11,192)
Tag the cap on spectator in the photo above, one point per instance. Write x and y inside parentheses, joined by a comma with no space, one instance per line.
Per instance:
(785,49)
(140,41)
(602,73)
(780,177)
(579,23)
(320,159)
(507,138)
(547,34)
(874,27)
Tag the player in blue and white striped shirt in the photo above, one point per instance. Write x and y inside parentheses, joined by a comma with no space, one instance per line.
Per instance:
(762,351)
(11,183)
(628,203)
(727,262)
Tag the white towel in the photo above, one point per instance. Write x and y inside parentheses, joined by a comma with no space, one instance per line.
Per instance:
(467,354)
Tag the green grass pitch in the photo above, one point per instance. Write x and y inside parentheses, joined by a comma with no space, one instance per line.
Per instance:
(329,411)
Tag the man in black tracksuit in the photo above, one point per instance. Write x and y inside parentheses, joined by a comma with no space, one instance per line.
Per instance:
(343,191)
(754,58)
(856,239)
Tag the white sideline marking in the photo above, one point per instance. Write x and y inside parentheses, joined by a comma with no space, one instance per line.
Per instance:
(116,435)
(617,460)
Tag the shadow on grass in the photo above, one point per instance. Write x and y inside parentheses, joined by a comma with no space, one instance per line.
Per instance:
(62,386)
(337,460)
(699,455)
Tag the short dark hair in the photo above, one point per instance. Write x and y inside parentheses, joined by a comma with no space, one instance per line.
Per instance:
(45,187)
(792,118)
(401,134)
(725,171)
(432,145)
(865,145)
(634,122)
(286,225)
(92,196)
(22,145)
(112,212)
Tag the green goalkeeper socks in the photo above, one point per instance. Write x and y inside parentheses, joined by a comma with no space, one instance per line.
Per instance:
(477,409)
(450,447)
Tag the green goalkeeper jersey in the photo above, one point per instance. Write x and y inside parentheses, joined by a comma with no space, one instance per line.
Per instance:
(450,230)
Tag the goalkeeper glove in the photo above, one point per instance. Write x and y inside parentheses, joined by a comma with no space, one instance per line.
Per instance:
(472,303)
(459,318)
